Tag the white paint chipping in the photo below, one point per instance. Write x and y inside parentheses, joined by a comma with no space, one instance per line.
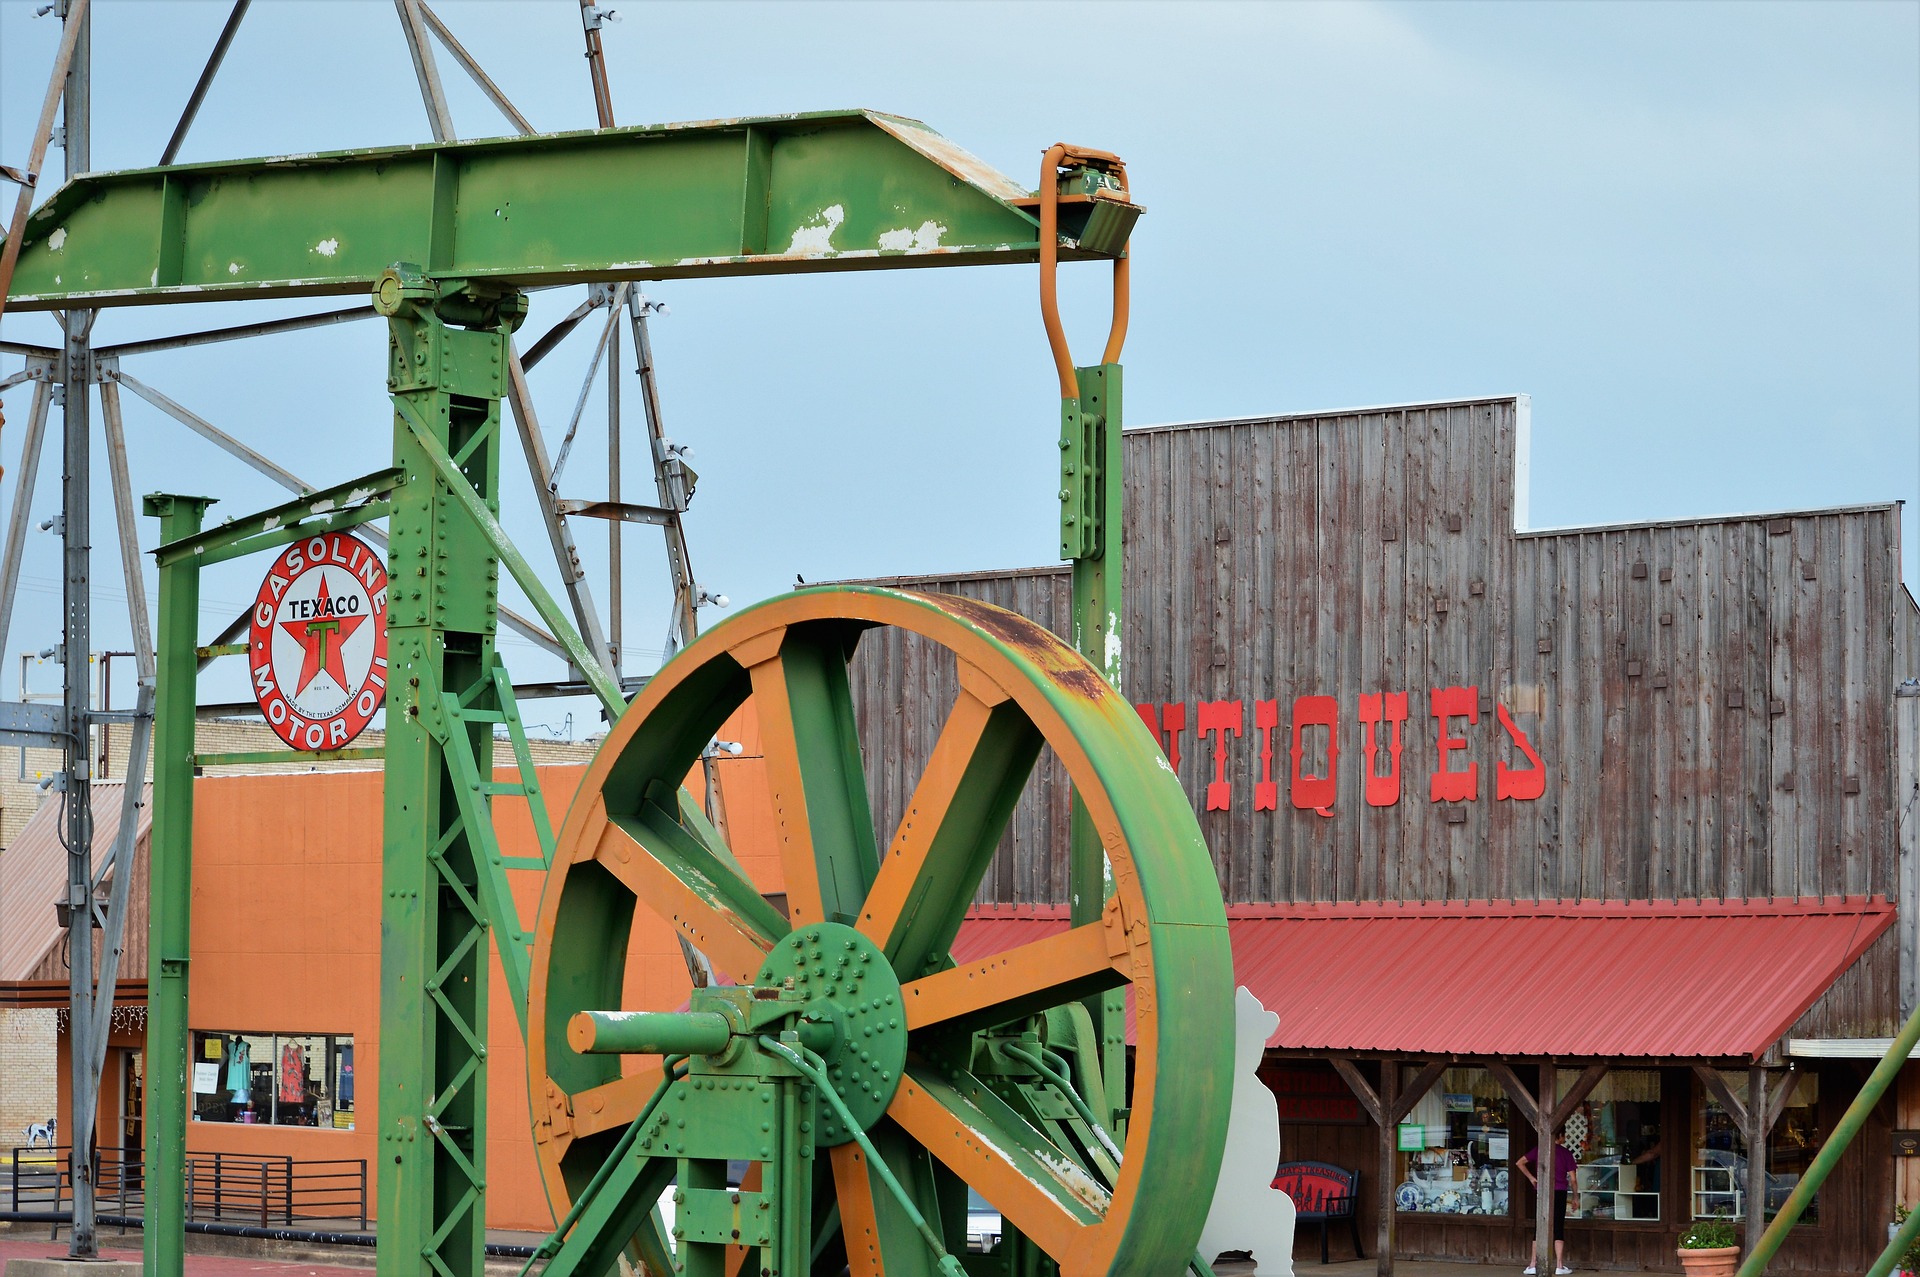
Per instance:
(817,235)
(327,247)
(907,240)
(154,278)
(1113,648)
(1074,1179)
(233,268)
(57,240)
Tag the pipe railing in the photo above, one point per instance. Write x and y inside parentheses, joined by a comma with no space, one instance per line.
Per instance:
(260,1190)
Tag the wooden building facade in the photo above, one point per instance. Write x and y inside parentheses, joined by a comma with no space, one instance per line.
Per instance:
(1381,688)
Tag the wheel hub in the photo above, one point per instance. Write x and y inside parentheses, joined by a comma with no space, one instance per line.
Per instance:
(846,980)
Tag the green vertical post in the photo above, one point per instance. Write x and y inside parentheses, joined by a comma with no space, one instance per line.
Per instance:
(1850,1124)
(171,879)
(447,364)
(1091,491)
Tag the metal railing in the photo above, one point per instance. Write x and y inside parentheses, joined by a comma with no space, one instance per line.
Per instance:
(264,1190)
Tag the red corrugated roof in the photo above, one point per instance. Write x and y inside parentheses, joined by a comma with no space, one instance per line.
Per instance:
(1684,980)
(33,874)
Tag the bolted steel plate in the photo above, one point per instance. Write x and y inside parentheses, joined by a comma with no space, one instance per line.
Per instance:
(848,982)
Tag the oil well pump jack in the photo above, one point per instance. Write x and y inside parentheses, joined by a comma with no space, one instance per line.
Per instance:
(865,1078)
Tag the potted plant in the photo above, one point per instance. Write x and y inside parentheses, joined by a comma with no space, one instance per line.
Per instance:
(1711,1248)
(1909,1262)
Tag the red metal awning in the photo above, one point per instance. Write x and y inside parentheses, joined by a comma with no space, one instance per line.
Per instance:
(1656,979)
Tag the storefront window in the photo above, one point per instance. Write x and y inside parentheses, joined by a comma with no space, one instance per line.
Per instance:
(1614,1136)
(276,1079)
(1454,1148)
(1720,1151)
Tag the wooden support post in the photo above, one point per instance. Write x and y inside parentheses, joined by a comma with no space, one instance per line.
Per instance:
(1582,1088)
(1755,1114)
(1357,1082)
(1389,1150)
(1756,1129)
(1387,1107)
(1544,1116)
(1543,1140)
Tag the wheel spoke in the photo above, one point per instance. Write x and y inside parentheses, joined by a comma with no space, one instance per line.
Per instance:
(708,903)
(1034,1185)
(814,770)
(1005,986)
(881,1239)
(613,1104)
(951,826)
(859,1219)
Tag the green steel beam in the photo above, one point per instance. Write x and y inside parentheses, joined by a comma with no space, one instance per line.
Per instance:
(484,220)
(1091,489)
(1850,1125)
(1897,1247)
(171,871)
(353,502)
(447,358)
(484,522)
(827,191)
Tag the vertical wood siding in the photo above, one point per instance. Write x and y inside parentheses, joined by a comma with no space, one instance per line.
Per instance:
(1701,694)
(1906,669)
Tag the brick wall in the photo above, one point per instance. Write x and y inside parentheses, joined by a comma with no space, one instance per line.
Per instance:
(19,797)
(29,1082)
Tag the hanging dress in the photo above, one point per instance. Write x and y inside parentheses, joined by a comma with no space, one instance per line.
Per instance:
(239,1069)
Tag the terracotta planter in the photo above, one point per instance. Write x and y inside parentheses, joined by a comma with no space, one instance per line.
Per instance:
(1720,1261)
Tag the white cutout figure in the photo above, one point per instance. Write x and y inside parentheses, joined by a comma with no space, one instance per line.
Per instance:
(1248,1213)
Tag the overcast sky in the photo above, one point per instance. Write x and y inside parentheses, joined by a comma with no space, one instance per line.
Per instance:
(1690,231)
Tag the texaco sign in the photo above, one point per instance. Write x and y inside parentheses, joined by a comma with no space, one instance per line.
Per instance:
(318,646)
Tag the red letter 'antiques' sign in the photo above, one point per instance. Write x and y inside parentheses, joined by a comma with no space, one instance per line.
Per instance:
(318,641)
(1528,783)
(1316,793)
(1318,790)
(1448,786)
(1266,792)
(1216,719)
(1383,791)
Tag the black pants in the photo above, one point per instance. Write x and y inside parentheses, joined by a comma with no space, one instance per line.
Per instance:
(1559,1214)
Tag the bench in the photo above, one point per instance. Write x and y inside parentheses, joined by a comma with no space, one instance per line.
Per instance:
(1322,1193)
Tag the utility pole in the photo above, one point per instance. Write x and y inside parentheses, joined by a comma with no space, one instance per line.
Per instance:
(76,379)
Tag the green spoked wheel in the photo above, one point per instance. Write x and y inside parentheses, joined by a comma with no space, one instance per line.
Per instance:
(952,1074)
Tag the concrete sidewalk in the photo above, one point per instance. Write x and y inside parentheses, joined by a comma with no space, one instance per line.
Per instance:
(210,1256)
(197,1265)
(351,1262)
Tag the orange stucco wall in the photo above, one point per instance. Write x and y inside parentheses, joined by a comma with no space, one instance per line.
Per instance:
(286,939)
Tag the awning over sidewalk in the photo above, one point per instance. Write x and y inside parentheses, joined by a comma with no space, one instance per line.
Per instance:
(1657,979)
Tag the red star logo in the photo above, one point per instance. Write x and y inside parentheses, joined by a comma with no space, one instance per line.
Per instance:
(323,637)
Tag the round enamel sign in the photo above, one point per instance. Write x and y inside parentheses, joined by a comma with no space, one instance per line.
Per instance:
(318,643)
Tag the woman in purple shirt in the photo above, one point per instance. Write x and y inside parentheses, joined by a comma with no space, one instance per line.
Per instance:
(1563,1165)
